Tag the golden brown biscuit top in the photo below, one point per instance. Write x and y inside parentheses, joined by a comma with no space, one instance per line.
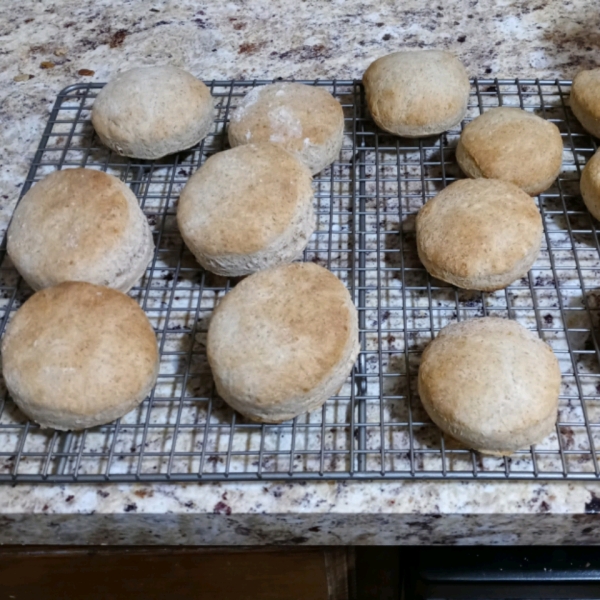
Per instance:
(280,332)
(79,347)
(243,199)
(477,226)
(513,144)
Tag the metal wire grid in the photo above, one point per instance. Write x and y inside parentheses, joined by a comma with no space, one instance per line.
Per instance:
(366,203)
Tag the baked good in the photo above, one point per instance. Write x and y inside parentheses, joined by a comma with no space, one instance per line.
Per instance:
(513,145)
(491,384)
(590,185)
(305,119)
(80,225)
(417,93)
(149,112)
(283,341)
(585,100)
(479,234)
(246,209)
(78,355)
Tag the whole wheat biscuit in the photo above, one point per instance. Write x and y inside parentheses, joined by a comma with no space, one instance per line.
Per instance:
(283,341)
(247,209)
(590,185)
(479,234)
(513,145)
(149,112)
(78,355)
(80,225)
(417,93)
(491,384)
(306,120)
(585,100)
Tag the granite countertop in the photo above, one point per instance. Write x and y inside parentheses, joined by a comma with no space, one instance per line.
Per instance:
(45,46)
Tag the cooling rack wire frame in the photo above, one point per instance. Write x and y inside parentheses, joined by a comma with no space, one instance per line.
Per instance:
(366,202)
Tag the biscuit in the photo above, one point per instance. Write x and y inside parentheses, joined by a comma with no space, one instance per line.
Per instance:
(283,341)
(417,93)
(150,112)
(247,209)
(306,120)
(479,234)
(80,225)
(491,384)
(585,100)
(590,185)
(79,355)
(513,145)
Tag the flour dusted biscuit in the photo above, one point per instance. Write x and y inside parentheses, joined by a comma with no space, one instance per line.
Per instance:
(513,145)
(283,341)
(78,355)
(491,384)
(80,225)
(149,112)
(306,120)
(417,93)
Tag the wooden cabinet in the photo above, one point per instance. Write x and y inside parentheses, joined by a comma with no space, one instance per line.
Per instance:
(173,573)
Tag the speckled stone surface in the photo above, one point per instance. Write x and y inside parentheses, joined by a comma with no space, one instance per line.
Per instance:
(45,46)
(322,513)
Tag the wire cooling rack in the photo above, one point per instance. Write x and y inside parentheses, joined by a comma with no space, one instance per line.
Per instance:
(366,204)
